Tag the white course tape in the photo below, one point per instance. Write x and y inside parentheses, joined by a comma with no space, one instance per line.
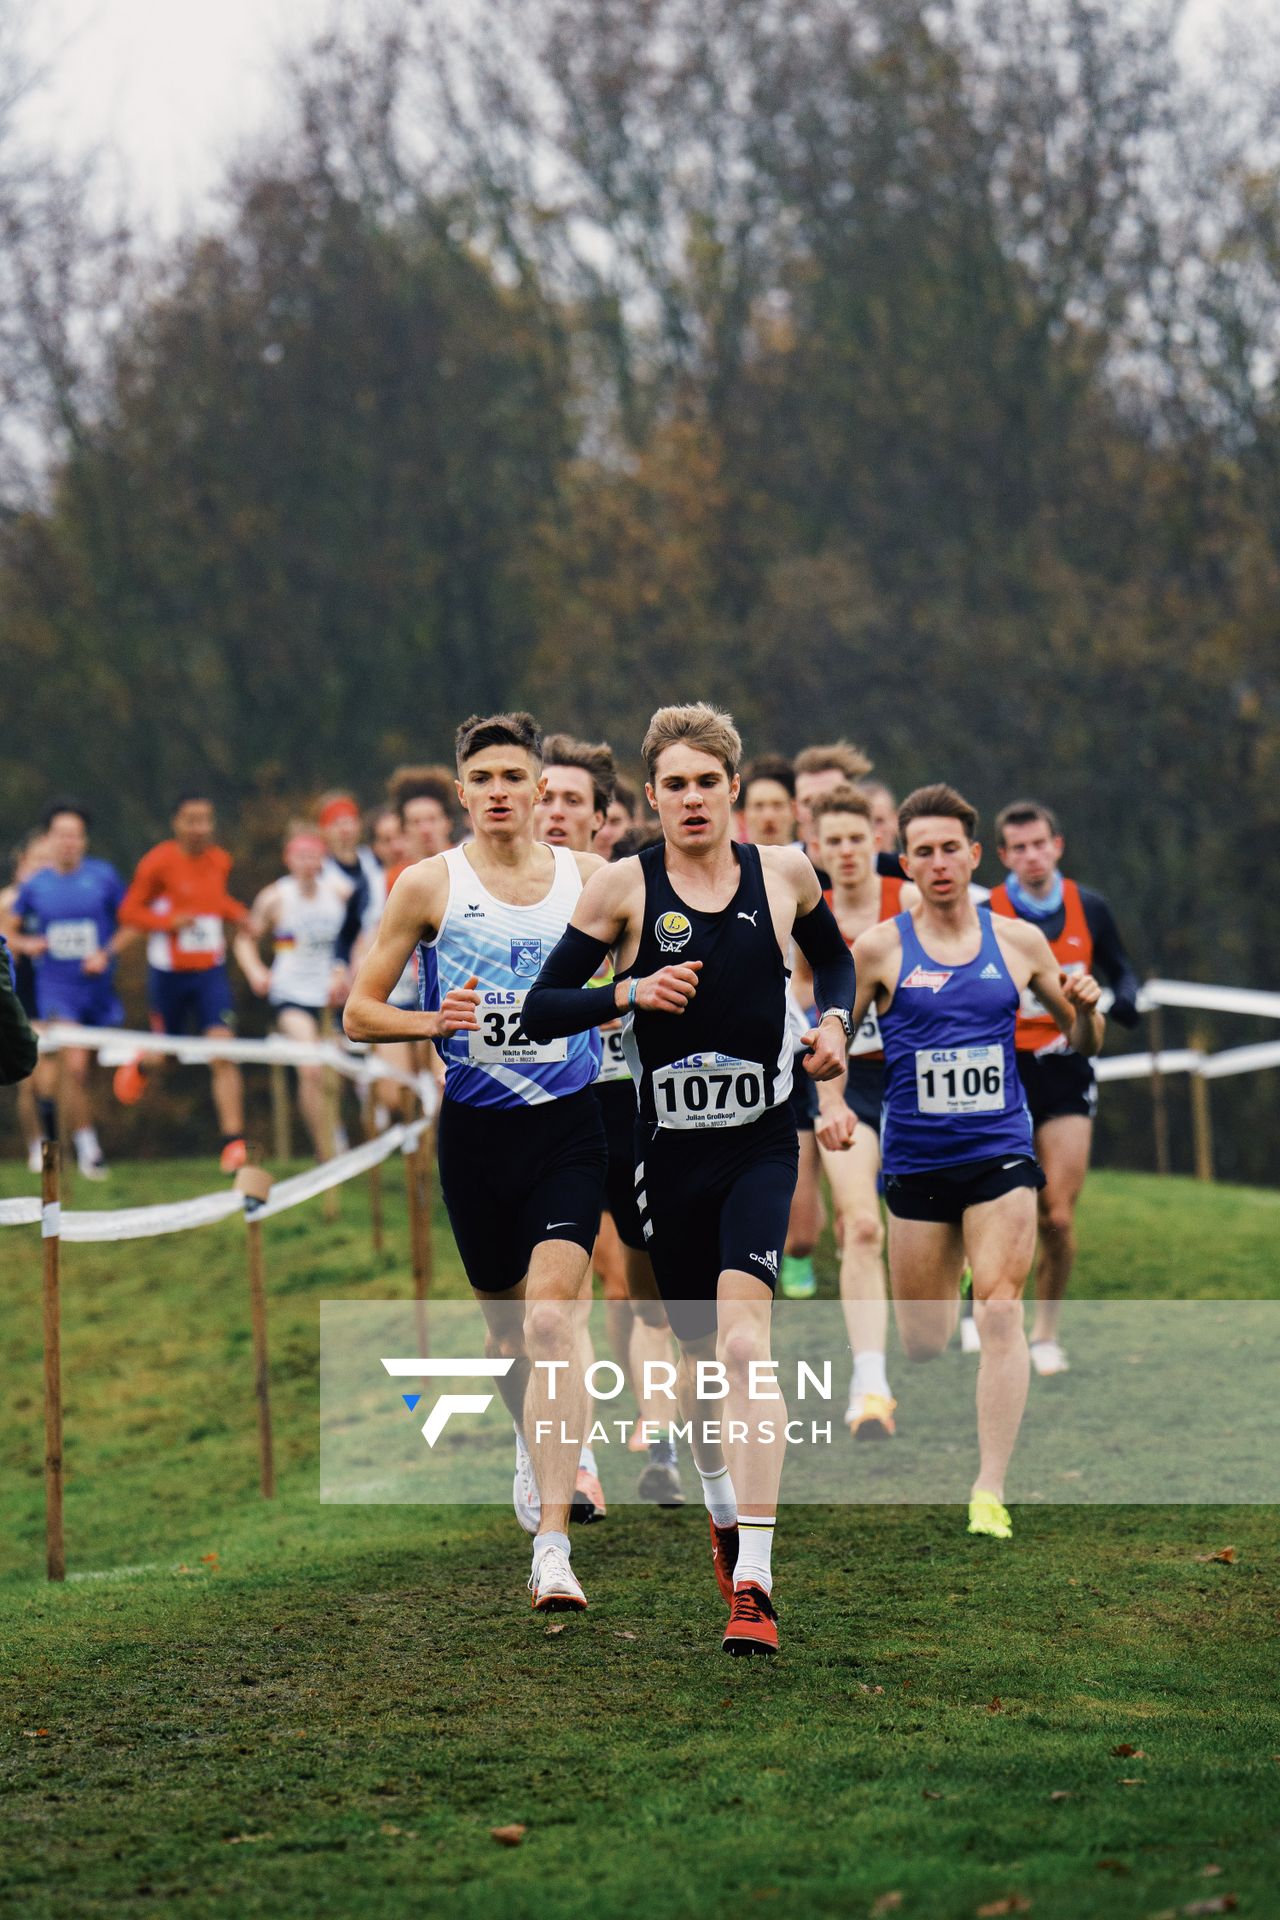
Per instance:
(116,1045)
(1202,999)
(19,1213)
(1139,1066)
(143,1223)
(1219,1066)
(330,1173)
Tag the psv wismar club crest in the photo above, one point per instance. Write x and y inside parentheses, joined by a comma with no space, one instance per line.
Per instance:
(526,958)
(673,931)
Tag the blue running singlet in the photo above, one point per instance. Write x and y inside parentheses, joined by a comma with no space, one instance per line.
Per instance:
(952,1091)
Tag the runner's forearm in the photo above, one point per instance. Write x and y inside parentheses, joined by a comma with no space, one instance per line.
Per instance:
(820,940)
(557,1003)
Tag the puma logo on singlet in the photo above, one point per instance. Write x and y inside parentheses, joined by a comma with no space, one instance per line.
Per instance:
(748,916)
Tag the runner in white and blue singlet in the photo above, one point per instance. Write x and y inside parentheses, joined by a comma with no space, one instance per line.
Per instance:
(520,1143)
(960,1171)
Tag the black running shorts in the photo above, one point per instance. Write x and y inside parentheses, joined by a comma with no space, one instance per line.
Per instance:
(804,1094)
(711,1202)
(513,1176)
(618,1111)
(1057,1084)
(945,1193)
(864,1091)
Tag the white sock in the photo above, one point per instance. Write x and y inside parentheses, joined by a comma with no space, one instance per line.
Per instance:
(755,1549)
(86,1141)
(381,1118)
(868,1373)
(522,1451)
(720,1499)
(587,1459)
(545,1540)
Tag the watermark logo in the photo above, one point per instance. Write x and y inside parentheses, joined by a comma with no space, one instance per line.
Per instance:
(420,1367)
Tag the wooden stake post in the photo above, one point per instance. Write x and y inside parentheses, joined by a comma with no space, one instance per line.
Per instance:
(255,1185)
(1159,1102)
(281,1126)
(375,1175)
(51,1247)
(1201,1117)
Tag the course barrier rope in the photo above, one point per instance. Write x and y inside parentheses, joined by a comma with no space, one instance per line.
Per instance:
(115,1046)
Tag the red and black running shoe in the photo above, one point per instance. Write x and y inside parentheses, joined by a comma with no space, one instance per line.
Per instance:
(724,1557)
(753,1624)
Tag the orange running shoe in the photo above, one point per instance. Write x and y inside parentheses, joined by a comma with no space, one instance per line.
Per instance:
(724,1557)
(588,1499)
(129,1083)
(870,1417)
(753,1624)
(234,1155)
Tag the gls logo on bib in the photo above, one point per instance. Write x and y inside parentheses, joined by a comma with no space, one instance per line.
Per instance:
(673,932)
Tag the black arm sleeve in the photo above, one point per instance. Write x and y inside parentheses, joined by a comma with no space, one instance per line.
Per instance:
(1110,961)
(18,1045)
(557,1002)
(352,920)
(820,940)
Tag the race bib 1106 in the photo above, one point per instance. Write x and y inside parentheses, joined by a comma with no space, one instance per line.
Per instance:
(960,1079)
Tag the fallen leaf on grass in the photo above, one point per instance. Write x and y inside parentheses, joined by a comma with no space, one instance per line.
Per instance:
(1126,1752)
(1012,1903)
(885,1903)
(1225,1903)
(209,1559)
(1131,1783)
(620,1633)
(245,1839)
(35,1733)
(996,1705)
(1111,1866)
(508,1836)
(1060,1793)
(864,1688)
(1225,1556)
(396,1833)
(1207,1873)
(558,1626)
(930,1793)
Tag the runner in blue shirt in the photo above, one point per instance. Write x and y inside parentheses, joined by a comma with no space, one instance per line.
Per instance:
(960,1172)
(64,917)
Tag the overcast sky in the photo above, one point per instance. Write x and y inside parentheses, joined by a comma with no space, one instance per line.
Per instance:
(172,87)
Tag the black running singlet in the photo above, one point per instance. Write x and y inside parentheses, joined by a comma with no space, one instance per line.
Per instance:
(727,1058)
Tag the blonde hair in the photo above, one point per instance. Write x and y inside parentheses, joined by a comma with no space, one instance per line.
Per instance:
(700,726)
(841,756)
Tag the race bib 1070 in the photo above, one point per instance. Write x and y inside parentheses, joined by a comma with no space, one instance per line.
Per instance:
(709,1090)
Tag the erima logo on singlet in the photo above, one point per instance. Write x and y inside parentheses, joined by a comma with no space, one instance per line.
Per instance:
(673,931)
(526,957)
(923,977)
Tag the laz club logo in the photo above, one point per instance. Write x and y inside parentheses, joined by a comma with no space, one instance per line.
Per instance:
(673,932)
(526,958)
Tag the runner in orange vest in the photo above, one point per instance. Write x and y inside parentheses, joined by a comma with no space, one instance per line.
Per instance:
(1061,1086)
(844,838)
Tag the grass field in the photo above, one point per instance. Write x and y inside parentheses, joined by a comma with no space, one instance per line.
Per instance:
(248,1708)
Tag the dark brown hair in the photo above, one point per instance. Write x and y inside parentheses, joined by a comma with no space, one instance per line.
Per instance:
(562,750)
(942,802)
(1022,814)
(840,800)
(769,766)
(498,730)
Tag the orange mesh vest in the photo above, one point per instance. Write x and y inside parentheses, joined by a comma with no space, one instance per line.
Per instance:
(1073,950)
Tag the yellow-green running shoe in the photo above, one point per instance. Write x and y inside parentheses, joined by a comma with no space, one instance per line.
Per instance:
(986,1515)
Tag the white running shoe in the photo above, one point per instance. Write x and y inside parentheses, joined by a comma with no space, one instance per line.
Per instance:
(970,1338)
(35,1156)
(1048,1358)
(525,1497)
(93,1167)
(553,1585)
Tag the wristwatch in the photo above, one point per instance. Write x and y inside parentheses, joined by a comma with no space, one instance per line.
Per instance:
(843,1015)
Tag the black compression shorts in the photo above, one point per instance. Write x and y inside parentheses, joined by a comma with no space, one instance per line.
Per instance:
(945,1193)
(1057,1084)
(514,1176)
(711,1202)
(864,1091)
(618,1111)
(804,1094)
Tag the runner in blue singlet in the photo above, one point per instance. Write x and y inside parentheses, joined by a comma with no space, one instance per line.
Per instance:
(960,1172)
